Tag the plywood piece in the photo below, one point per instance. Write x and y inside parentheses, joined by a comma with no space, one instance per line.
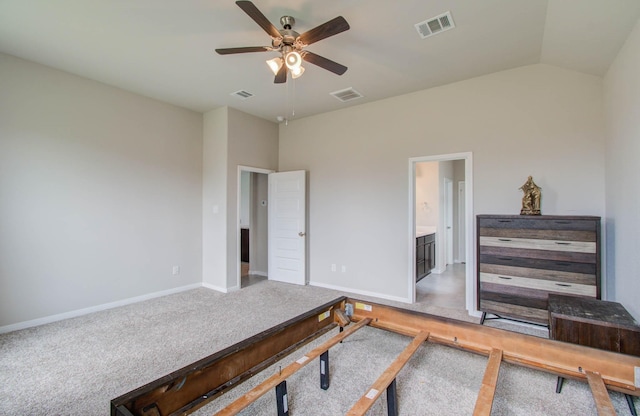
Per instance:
(262,388)
(488,387)
(600,394)
(366,401)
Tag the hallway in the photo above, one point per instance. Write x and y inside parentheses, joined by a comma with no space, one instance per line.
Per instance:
(446,290)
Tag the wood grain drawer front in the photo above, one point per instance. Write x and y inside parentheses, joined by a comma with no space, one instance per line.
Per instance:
(537,284)
(535,263)
(535,244)
(561,235)
(540,224)
(515,311)
(542,274)
(557,256)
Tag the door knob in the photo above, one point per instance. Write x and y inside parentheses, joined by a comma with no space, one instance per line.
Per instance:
(301,234)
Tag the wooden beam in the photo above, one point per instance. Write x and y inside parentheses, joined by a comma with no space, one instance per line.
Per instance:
(364,404)
(262,388)
(489,381)
(187,389)
(600,394)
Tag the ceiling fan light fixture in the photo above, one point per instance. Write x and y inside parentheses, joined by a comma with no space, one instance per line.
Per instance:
(293,60)
(297,72)
(275,64)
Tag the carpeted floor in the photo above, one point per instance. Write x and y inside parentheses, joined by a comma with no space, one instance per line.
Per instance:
(76,366)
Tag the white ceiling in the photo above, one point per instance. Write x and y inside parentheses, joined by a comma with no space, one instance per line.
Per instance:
(164,49)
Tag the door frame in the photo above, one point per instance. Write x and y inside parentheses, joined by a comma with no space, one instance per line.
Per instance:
(241,169)
(470,280)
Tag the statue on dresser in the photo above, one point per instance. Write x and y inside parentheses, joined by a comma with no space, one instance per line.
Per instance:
(531,198)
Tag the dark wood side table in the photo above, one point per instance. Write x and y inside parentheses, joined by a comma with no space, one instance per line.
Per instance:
(593,323)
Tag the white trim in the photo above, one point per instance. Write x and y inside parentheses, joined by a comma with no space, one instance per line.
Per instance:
(92,309)
(470,281)
(258,273)
(218,288)
(360,292)
(241,168)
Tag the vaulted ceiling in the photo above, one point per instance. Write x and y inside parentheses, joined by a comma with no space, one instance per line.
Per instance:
(164,49)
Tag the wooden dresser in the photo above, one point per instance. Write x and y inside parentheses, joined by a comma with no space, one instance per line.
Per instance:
(522,259)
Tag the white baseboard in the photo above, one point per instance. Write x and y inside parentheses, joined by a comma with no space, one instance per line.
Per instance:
(216,288)
(360,292)
(258,273)
(97,308)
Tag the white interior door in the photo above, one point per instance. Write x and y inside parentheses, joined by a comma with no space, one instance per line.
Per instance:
(287,227)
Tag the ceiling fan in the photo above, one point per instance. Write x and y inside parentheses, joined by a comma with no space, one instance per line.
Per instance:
(290,44)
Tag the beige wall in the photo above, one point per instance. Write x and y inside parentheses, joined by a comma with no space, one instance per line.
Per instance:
(214,199)
(536,120)
(100,194)
(231,139)
(427,194)
(622,110)
(252,142)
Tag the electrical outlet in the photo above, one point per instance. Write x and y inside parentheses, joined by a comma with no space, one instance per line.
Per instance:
(333,267)
(176,270)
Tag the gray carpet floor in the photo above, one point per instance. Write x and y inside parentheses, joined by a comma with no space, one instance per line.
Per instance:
(76,366)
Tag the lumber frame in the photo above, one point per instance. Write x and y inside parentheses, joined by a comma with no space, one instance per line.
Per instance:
(556,357)
(189,388)
(262,388)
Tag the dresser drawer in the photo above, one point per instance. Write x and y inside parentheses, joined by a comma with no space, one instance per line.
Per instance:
(542,274)
(500,258)
(540,223)
(539,284)
(536,244)
(561,235)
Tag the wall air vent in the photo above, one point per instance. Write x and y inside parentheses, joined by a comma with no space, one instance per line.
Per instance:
(242,94)
(435,25)
(348,94)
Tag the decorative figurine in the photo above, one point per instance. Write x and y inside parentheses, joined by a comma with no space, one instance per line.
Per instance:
(531,198)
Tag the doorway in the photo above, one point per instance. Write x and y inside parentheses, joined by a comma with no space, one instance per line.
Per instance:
(252,227)
(453,226)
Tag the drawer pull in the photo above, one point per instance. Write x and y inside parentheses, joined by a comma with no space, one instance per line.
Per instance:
(505,258)
(562,264)
(504,277)
(504,220)
(563,243)
(562,222)
(563,284)
(504,239)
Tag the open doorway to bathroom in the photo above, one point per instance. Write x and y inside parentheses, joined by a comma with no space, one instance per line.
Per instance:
(252,225)
(441,223)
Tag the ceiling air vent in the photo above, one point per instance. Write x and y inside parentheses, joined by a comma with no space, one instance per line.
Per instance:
(435,25)
(242,94)
(348,94)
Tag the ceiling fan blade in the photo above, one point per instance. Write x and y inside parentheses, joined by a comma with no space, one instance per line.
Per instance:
(246,49)
(253,12)
(325,63)
(281,76)
(330,28)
